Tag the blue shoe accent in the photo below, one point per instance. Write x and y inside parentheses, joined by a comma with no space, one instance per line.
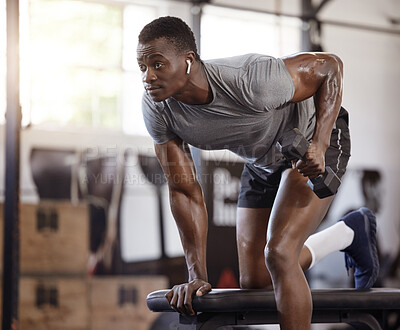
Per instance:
(362,253)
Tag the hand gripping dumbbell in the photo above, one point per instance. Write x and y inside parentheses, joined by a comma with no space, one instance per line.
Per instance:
(294,146)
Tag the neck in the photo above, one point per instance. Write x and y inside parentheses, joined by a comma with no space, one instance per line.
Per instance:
(197,89)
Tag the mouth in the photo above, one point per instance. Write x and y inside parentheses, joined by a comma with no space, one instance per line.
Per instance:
(155,92)
(152,88)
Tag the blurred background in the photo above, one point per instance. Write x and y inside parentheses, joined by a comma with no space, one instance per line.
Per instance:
(96,233)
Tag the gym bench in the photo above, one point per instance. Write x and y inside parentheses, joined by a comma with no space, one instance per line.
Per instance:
(363,309)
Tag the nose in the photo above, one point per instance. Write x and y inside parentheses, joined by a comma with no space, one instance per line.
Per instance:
(149,76)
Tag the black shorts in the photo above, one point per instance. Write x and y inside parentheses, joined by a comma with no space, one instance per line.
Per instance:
(259,188)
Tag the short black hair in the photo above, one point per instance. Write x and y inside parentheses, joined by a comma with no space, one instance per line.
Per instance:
(174,30)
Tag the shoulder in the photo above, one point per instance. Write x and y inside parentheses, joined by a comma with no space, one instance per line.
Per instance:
(314,58)
(309,64)
(260,81)
(250,67)
(237,63)
(310,70)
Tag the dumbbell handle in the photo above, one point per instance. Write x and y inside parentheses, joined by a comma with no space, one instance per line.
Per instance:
(294,146)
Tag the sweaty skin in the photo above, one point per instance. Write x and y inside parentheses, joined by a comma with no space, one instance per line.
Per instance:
(164,74)
(296,213)
(320,75)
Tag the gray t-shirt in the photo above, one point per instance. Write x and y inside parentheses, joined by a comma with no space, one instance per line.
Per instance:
(249,112)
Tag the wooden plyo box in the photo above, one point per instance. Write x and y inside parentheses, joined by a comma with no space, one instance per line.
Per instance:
(53,303)
(54,238)
(120,302)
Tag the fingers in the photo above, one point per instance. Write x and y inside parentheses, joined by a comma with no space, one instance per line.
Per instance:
(310,169)
(312,163)
(180,299)
(307,169)
(187,302)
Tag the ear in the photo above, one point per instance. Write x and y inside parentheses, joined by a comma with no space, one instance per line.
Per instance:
(190,59)
(190,56)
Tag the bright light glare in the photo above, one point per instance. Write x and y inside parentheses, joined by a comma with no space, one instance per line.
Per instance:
(229,32)
(78,59)
(135,17)
(74,73)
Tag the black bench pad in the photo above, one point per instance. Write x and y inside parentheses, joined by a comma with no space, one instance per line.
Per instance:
(364,309)
(239,300)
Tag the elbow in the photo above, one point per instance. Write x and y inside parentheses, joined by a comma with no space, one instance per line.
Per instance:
(333,72)
(335,65)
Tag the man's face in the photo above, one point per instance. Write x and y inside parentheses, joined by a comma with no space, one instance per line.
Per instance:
(163,70)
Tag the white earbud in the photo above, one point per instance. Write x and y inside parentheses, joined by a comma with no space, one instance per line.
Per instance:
(189,66)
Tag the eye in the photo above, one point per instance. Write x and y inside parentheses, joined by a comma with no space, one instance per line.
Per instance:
(142,67)
(158,65)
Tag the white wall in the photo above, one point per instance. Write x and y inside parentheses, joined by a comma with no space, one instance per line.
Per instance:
(372,82)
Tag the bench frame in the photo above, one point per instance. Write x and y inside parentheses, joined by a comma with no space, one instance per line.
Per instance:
(367,309)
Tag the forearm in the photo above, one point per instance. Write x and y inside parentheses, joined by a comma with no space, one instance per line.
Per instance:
(187,204)
(328,100)
(191,218)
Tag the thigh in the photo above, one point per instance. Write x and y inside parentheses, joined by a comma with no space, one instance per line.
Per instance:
(296,213)
(258,188)
(251,232)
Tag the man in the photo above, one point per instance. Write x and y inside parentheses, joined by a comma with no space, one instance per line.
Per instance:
(245,104)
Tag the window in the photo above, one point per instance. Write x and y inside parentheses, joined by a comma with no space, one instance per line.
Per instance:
(78,58)
(229,32)
(74,63)
(78,63)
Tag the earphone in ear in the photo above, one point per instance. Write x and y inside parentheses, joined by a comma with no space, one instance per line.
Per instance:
(189,66)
